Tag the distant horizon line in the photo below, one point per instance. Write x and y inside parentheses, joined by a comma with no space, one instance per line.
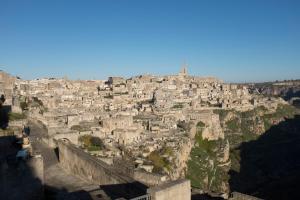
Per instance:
(147,74)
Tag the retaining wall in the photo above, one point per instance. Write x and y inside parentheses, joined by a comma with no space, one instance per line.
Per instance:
(175,190)
(76,161)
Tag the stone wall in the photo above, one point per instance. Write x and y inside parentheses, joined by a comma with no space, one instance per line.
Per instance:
(72,136)
(149,179)
(36,164)
(76,161)
(175,190)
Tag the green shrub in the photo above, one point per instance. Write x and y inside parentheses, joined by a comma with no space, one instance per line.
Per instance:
(79,128)
(199,167)
(16,116)
(167,151)
(158,162)
(205,144)
(200,124)
(233,125)
(91,143)
(36,102)
(94,148)
(177,106)
(96,141)
(24,105)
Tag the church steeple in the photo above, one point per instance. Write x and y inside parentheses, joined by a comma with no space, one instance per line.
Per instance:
(183,71)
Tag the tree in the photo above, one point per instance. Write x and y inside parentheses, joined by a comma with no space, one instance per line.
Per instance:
(89,142)
(95,141)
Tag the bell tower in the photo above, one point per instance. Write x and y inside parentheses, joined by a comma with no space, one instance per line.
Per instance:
(183,71)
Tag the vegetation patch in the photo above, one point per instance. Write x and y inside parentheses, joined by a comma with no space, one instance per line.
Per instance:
(37,102)
(178,106)
(24,105)
(16,116)
(166,150)
(203,169)
(233,125)
(200,124)
(242,129)
(159,162)
(287,111)
(91,143)
(109,96)
(247,125)
(282,111)
(79,128)
(204,144)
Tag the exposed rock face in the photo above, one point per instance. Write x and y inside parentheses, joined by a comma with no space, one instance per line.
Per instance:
(213,130)
(209,165)
(210,159)
(180,163)
(224,158)
(286,90)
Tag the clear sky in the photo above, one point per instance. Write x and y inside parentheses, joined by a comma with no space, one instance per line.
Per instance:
(235,40)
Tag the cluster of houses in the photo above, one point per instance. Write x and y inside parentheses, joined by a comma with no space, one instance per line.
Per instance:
(134,116)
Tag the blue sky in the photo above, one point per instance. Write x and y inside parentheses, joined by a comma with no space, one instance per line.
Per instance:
(235,40)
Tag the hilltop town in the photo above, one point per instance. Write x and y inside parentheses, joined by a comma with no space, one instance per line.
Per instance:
(147,125)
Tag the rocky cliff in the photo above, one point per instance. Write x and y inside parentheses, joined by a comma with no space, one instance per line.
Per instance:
(286,89)
(212,161)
